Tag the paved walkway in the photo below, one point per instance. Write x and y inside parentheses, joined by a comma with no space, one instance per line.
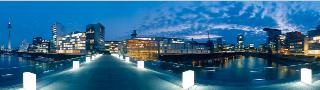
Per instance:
(109,73)
(106,73)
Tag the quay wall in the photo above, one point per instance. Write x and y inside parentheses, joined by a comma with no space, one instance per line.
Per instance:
(190,57)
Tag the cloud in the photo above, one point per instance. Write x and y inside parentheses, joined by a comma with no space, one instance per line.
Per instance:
(202,36)
(196,19)
(176,28)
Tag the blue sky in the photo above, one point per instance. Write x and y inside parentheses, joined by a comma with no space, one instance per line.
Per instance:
(169,19)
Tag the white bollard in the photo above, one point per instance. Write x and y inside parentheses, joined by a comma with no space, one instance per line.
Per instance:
(306,75)
(127,59)
(93,57)
(187,79)
(141,64)
(76,65)
(29,81)
(121,57)
(88,60)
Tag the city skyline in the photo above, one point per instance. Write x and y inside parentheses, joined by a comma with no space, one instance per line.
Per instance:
(160,45)
(159,19)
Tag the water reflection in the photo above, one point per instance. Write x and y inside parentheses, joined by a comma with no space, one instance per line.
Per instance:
(12,67)
(240,69)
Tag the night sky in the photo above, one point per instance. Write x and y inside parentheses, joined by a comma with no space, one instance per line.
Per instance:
(170,19)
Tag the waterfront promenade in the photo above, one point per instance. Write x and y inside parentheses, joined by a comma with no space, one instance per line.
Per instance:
(106,73)
(110,73)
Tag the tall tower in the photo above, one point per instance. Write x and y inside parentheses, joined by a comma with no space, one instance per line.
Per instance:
(240,45)
(9,36)
(210,44)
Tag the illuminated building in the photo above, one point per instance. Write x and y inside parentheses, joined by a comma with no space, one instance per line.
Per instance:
(251,48)
(273,42)
(172,46)
(39,45)
(148,48)
(314,42)
(112,46)
(57,33)
(294,42)
(43,47)
(261,48)
(142,48)
(313,45)
(240,43)
(73,43)
(123,48)
(95,37)
(282,44)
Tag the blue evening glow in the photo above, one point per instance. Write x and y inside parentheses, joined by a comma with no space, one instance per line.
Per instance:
(175,19)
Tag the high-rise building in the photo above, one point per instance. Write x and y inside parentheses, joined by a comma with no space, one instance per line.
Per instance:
(57,33)
(240,43)
(9,36)
(95,37)
(273,40)
(294,42)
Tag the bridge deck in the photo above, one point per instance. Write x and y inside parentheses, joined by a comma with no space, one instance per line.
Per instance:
(106,73)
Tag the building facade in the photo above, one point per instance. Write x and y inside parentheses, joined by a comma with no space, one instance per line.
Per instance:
(39,45)
(240,43)
(112,46)
(149,48)
(314,42)
(73,43)
(143,48)
(294,42)
(95,37)
(57,33)
(273,40)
